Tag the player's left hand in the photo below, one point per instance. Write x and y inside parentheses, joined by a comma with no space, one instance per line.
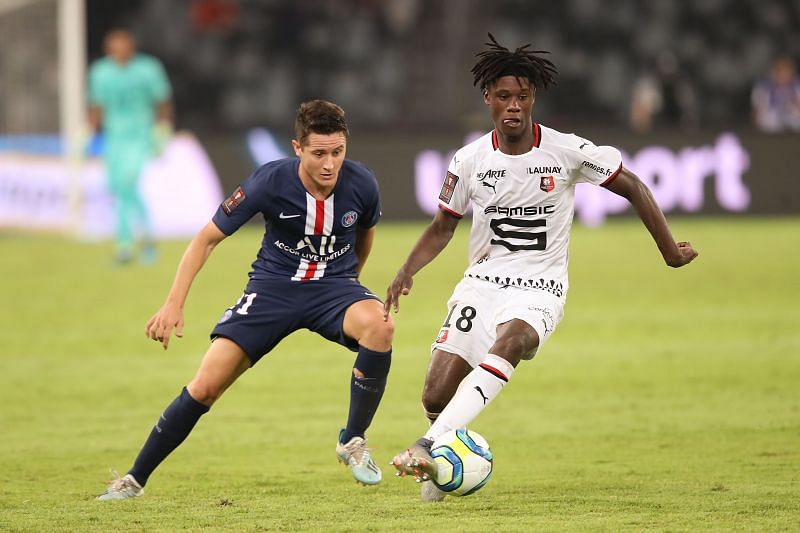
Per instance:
(160,326)
(686,254)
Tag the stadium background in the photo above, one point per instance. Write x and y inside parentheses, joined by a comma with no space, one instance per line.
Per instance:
(401,70)
(666,401)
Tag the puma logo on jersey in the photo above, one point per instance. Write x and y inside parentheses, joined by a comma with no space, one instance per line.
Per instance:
(490,178)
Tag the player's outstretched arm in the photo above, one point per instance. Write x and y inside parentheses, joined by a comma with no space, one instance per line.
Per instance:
(630,187)
(432,241)
(170,316)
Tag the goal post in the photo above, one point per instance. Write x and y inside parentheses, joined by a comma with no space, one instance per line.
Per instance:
(43,64)
(72,99)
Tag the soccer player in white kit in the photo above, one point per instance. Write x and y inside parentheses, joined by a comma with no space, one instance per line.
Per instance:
(520,179)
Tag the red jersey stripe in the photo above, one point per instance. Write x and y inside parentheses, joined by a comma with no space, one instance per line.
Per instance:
(312,269)
(319,221)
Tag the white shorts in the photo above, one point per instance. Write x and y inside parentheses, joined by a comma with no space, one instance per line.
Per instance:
(477,307)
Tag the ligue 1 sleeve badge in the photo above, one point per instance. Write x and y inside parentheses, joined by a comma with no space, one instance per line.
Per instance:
(547,184)
(233,200)
(449,185)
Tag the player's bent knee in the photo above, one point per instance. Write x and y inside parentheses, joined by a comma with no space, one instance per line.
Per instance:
(365,323)
(204,392)
(386,330)
(377,335)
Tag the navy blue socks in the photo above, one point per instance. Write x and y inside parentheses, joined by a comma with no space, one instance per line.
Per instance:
(182,414)
(172,428)
(366,392)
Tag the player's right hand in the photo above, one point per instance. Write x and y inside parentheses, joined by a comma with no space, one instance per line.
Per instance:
(686,254)
(160,326)
(401,285)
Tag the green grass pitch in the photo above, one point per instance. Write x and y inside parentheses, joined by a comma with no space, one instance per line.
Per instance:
(666,400)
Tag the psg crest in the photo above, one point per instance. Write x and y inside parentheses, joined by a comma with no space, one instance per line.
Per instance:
(349,219)
(547,184)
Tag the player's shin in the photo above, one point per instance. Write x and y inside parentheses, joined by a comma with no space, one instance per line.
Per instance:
(171,429)
(366,390)
(477,390)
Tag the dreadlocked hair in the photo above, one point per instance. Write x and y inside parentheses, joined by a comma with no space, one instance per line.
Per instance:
(498,61)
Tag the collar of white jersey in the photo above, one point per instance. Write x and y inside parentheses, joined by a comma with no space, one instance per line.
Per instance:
(537,137)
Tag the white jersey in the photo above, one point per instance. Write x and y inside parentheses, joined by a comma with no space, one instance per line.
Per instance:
(523,205)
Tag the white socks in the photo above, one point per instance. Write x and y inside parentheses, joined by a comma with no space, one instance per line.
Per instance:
(477,390)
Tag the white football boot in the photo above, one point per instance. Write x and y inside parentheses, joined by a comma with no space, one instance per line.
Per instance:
(356,456)
(121,488)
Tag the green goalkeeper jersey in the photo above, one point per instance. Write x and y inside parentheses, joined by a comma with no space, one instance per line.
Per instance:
(128,95)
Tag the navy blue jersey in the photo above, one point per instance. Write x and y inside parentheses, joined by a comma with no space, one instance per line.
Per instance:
(305,239)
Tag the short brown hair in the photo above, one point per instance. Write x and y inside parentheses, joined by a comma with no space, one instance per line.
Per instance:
(319,116)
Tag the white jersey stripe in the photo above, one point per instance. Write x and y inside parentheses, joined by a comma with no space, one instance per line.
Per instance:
(310,270)
(311,214)
(301,271)
(327,228)
(319,221)
(326,206)
(320,269)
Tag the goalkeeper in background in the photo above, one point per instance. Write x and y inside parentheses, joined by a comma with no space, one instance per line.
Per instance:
(130,100)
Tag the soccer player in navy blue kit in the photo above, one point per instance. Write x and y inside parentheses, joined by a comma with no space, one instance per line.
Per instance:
(320,212)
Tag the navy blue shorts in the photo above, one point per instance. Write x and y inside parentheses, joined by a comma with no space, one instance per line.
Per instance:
(269,311)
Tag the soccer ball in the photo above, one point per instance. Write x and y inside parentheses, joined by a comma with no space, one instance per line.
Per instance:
(463,460)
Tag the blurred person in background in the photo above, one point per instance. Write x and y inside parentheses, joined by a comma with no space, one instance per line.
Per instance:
(520,179)
(130,101)
(320,211)
(776,98)
(663,98)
